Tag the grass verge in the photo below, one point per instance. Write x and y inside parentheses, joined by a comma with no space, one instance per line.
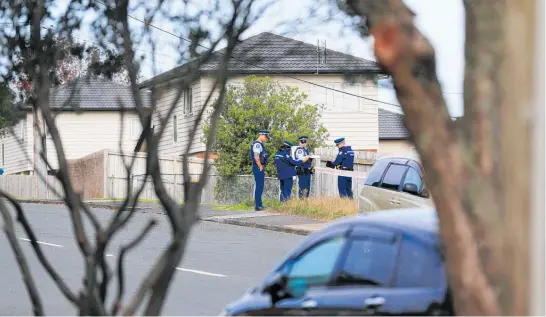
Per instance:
(248,205)
(320,208)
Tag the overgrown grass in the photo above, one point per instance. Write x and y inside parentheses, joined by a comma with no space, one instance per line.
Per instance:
(321,208)
(248,205)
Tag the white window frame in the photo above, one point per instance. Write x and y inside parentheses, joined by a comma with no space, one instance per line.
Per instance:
(188,101)
(46,130)
(175,129)
(332,96)
(23,128)
(346,97)
(135,136)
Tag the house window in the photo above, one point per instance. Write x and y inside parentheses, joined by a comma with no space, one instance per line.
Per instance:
(337,96)
(136,129)
(175,129)
(3,157)
(350,99)
(47,132)
(22,127)
(188,99)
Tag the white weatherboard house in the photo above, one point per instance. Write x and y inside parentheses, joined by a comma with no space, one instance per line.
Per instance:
(290,62)
(88,117)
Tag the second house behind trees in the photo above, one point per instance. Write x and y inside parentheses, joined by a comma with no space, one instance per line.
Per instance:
(291,63)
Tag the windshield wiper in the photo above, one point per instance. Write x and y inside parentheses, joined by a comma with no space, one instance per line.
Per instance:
(347,278)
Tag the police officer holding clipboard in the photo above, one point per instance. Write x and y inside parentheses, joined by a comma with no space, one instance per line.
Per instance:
(304,172)
(259,158)
(344,161)
(286,169)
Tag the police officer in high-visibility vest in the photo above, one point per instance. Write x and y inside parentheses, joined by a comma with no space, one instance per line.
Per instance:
(344,161)
(286,169)
(304,172)
(259,157)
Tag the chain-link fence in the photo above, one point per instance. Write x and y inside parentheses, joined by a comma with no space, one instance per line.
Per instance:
(218,190)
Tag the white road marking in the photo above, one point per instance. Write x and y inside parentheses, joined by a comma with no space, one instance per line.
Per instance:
(44,243)
(109,255)
(201,272)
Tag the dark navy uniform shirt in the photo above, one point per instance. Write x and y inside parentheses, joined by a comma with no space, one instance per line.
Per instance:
(345,159)
(286,165)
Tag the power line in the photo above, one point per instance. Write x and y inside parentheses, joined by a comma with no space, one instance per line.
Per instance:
(252,64)
(91,40)
(248,63)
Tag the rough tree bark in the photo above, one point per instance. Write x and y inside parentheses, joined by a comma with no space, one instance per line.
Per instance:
(479,173)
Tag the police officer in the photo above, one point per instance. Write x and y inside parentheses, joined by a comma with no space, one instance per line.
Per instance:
(304,172)
(259,157)
(286,169)
(344,161)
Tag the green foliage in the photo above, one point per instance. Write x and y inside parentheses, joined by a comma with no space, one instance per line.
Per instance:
(262,103)
(8,115)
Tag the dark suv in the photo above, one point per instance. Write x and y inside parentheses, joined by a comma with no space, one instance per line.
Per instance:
(387,262)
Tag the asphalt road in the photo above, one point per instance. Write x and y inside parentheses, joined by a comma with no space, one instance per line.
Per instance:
(221,262)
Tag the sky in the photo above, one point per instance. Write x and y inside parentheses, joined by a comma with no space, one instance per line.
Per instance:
(442,22)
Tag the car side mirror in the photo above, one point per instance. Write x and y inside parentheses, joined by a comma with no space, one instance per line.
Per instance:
(425,193)
(275,287)
(411,189)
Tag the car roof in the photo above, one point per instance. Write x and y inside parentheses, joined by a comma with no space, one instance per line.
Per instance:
(422,223)
(408,156)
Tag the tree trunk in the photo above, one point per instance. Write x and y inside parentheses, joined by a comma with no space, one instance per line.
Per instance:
(479,173)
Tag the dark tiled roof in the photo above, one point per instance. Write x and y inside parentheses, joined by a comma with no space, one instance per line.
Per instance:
(391,126)
(94,93)
(268,53)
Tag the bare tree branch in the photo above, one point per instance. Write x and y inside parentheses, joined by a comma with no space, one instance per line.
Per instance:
(121,285)
(110,31)
(21,261)
(38,250)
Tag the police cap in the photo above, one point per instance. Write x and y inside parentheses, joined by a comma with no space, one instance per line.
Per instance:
(264,132)
(337,141)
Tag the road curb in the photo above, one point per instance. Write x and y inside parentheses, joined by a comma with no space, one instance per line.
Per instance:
(228,221)
(61,202)
(277,228)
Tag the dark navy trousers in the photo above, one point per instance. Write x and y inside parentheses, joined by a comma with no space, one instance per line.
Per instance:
(286,188)
(345,186)
(259,179)
(304,184)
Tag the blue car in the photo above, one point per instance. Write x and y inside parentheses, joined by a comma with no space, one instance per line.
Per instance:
(383,263)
